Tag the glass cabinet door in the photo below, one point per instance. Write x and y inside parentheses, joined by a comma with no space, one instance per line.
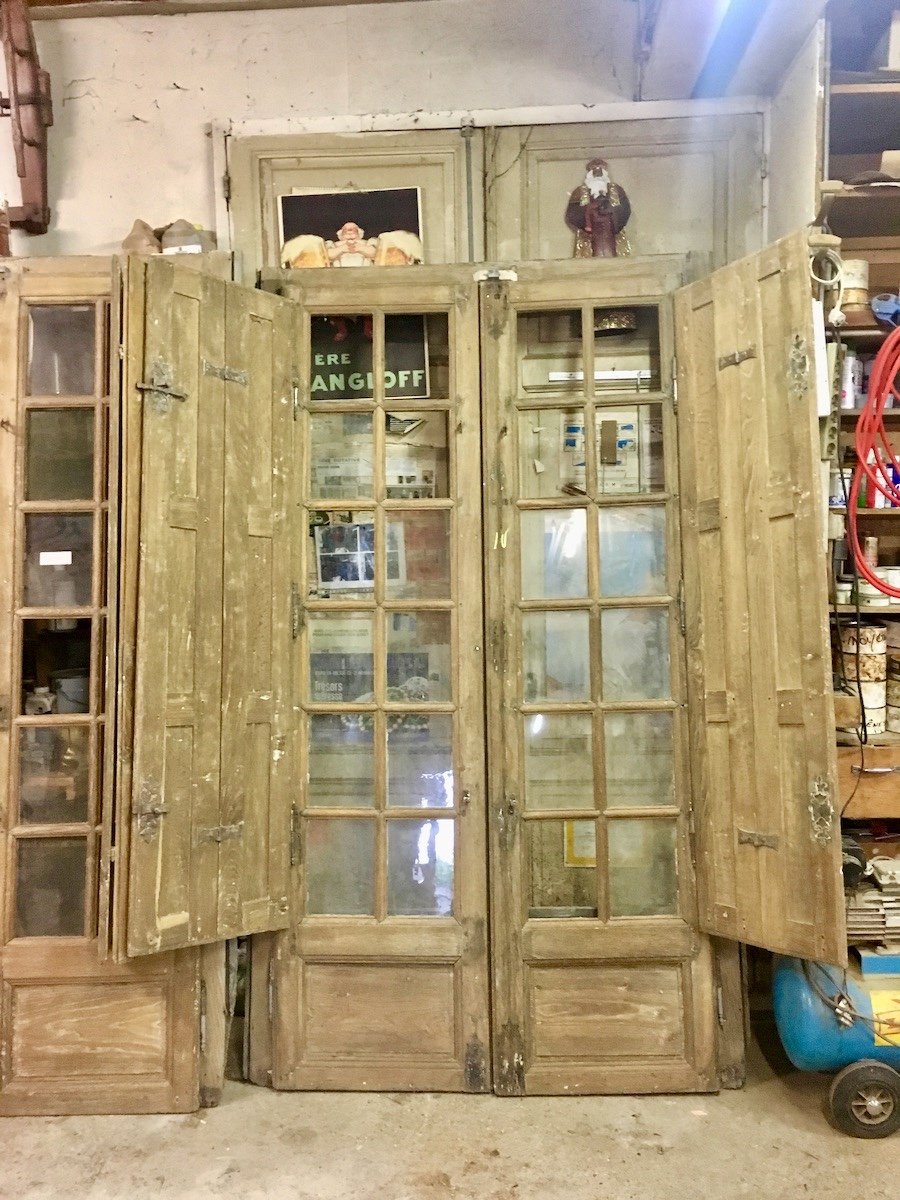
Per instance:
(62,510)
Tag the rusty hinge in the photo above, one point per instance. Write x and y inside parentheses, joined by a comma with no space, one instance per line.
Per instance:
(821,811)
(674,383)
(149,811)
(220,833)
(720,1005)
(682,618)
(226,187)
(762,841)
(476,1066)
(159,388)
(295,837)
(739,356)
(228,374)
(296,612)
(295,399)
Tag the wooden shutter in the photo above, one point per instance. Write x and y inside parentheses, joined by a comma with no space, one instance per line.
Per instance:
(755,563)
(201,838)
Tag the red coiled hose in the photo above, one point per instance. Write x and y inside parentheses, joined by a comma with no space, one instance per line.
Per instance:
(872,439)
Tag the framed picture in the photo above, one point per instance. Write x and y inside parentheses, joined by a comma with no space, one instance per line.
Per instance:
(377,228)
(345,555)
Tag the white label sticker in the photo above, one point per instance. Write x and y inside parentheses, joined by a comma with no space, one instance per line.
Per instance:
(55,558)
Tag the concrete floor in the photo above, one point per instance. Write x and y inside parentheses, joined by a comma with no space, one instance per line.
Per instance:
(769,1140)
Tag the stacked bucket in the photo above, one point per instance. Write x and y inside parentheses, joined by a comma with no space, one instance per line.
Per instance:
(865,663)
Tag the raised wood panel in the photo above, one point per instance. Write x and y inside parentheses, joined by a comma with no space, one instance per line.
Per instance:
(760,676)
(73,1030)
(615,1011)
(695,185)
(380,1011)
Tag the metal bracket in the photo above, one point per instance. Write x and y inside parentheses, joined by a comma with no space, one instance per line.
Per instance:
(149,811)
(159,388)
(220,833)
(762,841)
(821,811)
(739,356)
(228,374)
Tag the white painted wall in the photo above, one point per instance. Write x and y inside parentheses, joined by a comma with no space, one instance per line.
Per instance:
(134,96)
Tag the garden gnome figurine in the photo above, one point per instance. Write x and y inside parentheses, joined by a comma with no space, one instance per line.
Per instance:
(597,211)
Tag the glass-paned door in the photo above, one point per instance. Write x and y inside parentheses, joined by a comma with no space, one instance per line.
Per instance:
(382,981)
(600,982)
(77,1034)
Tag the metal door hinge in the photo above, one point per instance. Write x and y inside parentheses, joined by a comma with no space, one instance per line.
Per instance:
(159,388)
(735,359)
(202,1016)
(225,373)
(720,1005)
(226,187)
(149,811)
(674,383)
(295,399)
(220,833)
(762,841)
(296,612)
(821,811)
(295,836)
(682,618)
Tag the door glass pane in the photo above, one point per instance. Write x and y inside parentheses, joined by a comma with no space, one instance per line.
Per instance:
(551,453)
(640,766)
(550,355)
(420,760)
(556,656)
(562,876)
(437,333)
(341,761)
(418,657)
(58,559)
(418,555)
(626,349)
(59,454)
(642,877)
(53,775)
(416,458)
(340,455)
(630,450)
(61,350)
(420,868)
(56,658)
(632,551)
(344,555)
(341,346)
(554,554)
(635,654)
(559,763)
(340,658)
(50,887)
(340,866)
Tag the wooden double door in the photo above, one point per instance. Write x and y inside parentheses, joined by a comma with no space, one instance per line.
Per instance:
(434,663)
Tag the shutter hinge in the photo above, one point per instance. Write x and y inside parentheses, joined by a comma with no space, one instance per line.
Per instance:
(295,399)
(295,842)
(202,1016)
(220,833)
(226,187)
(675,383)
(149,811)
(225,373)
(735,359)
(761,841)
(682,616)
(296,612)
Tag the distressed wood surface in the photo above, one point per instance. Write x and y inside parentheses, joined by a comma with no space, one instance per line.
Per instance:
(760,679)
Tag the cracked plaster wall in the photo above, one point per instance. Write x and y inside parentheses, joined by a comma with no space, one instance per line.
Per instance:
(134,96)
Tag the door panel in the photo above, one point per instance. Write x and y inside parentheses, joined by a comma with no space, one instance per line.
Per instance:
(203,827)
(382,981)
(77,1035)
(601,983)
(757,607)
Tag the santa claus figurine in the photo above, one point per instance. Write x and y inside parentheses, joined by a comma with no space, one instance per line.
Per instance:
(597,211)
